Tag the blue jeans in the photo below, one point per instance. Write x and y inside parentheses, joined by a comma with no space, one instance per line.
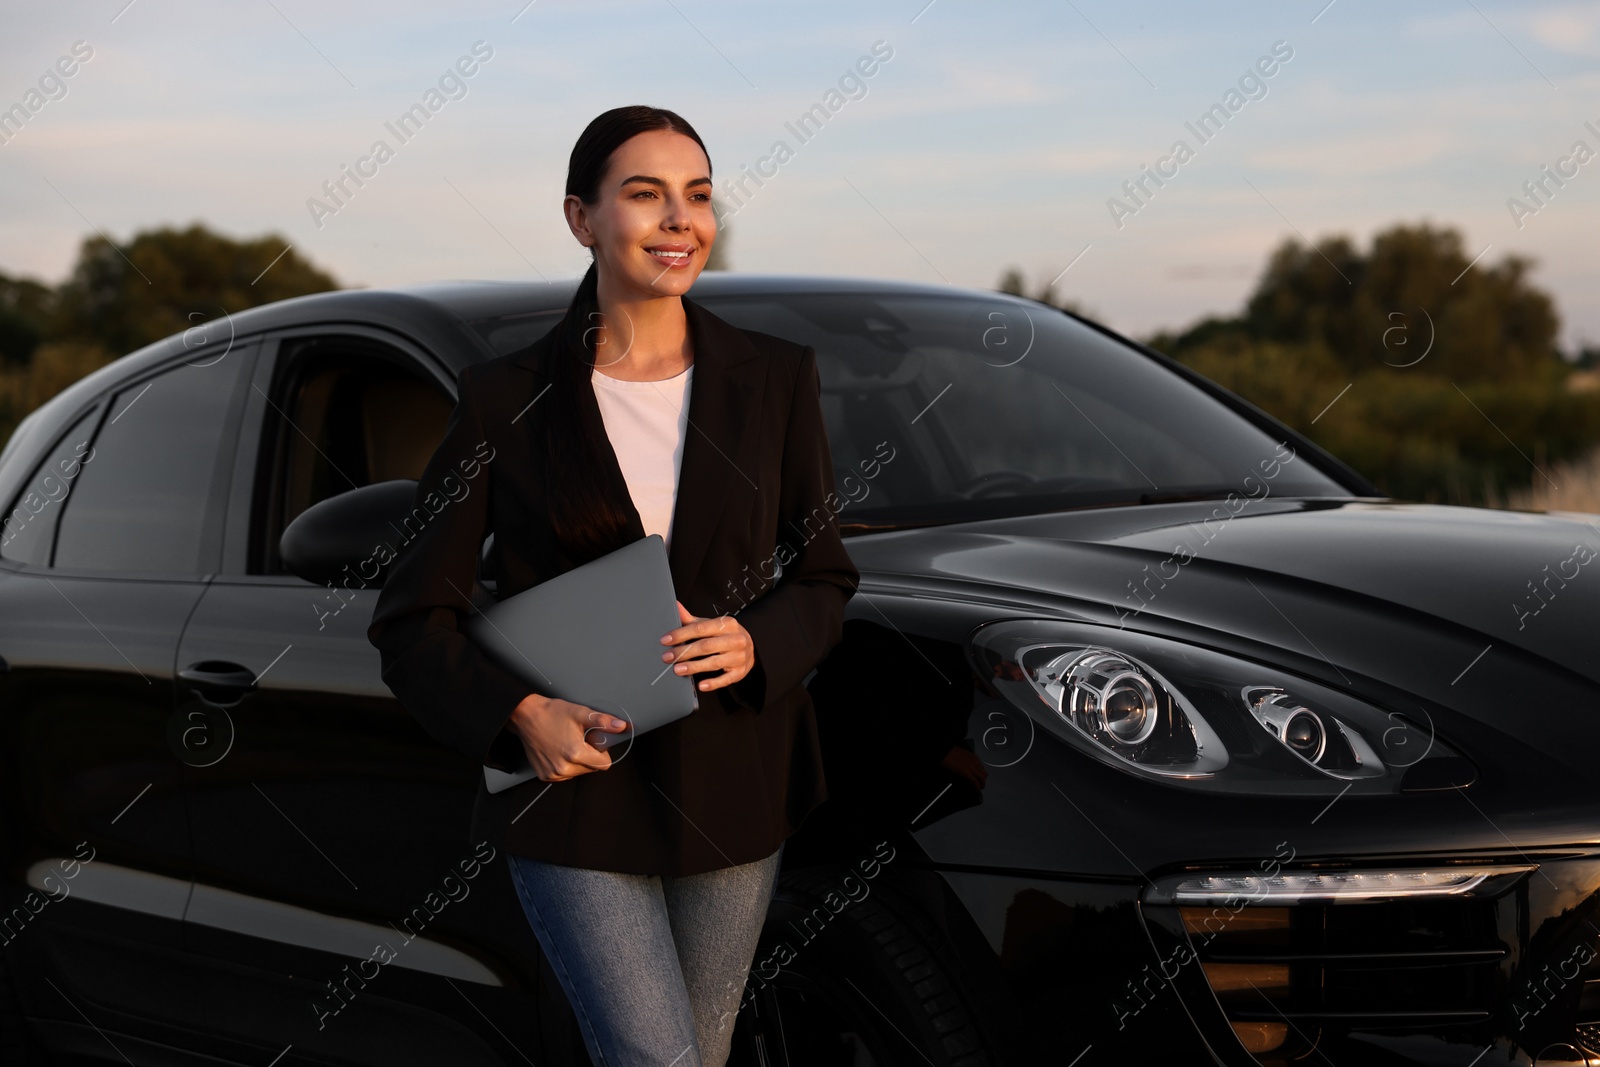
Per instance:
(653,965)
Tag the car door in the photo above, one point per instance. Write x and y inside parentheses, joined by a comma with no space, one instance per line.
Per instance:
(107,550)
(338,899)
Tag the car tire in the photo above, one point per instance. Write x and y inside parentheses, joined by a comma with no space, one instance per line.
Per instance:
(875,980)
(17,1045)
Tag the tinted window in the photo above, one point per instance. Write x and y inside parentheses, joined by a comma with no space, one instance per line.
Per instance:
(346,412)
(154,493)
(949,408)
(30,526)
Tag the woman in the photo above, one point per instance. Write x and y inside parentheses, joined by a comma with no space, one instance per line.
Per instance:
(644,873)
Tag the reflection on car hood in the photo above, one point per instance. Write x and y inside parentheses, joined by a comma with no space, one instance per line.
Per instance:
(1299,573)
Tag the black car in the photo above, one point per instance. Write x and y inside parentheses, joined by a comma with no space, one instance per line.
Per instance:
(1156,734)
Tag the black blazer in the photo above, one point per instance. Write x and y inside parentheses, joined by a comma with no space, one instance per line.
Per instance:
(727,784)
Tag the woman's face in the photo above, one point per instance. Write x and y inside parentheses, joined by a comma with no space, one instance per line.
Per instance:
(652,226)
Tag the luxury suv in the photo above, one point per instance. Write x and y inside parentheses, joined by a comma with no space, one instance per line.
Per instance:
(1156,735)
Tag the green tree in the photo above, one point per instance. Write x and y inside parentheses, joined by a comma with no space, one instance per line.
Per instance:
(167,280)
(1487,323)
(1437,381)
(25,310)
(1013,282)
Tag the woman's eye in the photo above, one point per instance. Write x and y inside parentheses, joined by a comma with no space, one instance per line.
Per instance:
(643,192)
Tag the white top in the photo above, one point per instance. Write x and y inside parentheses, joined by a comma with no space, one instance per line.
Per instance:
(646,422)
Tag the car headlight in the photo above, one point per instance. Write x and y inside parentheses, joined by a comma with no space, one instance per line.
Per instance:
(1291,722)
(1125,706)
(1191,716)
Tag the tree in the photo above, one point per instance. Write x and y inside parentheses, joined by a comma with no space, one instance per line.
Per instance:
(165,281)
(1487,323)
(1012,282)
(168,281)
(1436,377)
(25,310)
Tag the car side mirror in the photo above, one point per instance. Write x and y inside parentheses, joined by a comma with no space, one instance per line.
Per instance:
(340,540)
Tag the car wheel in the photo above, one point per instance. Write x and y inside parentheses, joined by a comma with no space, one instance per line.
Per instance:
(17,1045)
(870,988)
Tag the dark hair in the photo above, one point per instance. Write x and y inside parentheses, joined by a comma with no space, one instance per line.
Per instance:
(586,523)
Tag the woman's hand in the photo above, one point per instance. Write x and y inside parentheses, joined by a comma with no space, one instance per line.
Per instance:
(712,644)
(555,734)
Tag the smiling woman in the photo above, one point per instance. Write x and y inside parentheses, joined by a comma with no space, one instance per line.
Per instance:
(640,413)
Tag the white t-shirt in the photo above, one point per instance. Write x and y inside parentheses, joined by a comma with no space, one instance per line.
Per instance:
(646,422)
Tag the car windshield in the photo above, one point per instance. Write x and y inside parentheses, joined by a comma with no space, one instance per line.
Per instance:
(951,408)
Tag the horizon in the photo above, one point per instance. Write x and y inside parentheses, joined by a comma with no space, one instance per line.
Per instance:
(1324,119)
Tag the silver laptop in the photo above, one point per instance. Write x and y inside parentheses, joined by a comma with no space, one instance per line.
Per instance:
(592,635)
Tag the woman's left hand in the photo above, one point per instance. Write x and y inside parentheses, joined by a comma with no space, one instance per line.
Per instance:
(720,643)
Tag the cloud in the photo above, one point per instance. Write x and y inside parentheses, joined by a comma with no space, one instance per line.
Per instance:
(1365,153)
(1573,29)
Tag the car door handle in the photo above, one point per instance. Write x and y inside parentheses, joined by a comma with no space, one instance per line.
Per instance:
(229,681)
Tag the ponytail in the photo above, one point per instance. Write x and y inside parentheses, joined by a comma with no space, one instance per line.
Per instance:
(587,522)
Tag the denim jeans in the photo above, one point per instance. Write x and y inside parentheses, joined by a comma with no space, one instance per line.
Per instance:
(653,965)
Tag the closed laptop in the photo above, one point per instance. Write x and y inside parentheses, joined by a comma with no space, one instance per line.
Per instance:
(592,635)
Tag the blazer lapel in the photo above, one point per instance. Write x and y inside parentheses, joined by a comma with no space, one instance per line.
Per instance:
(718,450)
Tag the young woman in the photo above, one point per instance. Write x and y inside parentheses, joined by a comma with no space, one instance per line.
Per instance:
(645,873)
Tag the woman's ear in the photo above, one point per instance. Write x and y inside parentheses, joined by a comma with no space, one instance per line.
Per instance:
(578,220)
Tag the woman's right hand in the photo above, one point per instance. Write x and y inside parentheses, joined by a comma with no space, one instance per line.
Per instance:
(555,733)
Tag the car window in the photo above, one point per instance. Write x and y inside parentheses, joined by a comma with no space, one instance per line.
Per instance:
(346,412)
(152,497)
(943,409)
(29,527)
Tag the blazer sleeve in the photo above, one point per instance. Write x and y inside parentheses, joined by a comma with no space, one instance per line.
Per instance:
(439,674)
(796,622)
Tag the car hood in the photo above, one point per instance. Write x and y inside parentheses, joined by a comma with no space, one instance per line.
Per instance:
(1466,608)
(1528,580)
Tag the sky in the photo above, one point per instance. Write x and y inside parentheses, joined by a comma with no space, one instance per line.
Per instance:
(987,135)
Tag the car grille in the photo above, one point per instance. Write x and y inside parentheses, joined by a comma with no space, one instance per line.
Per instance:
(1284,975)
(1398,980)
